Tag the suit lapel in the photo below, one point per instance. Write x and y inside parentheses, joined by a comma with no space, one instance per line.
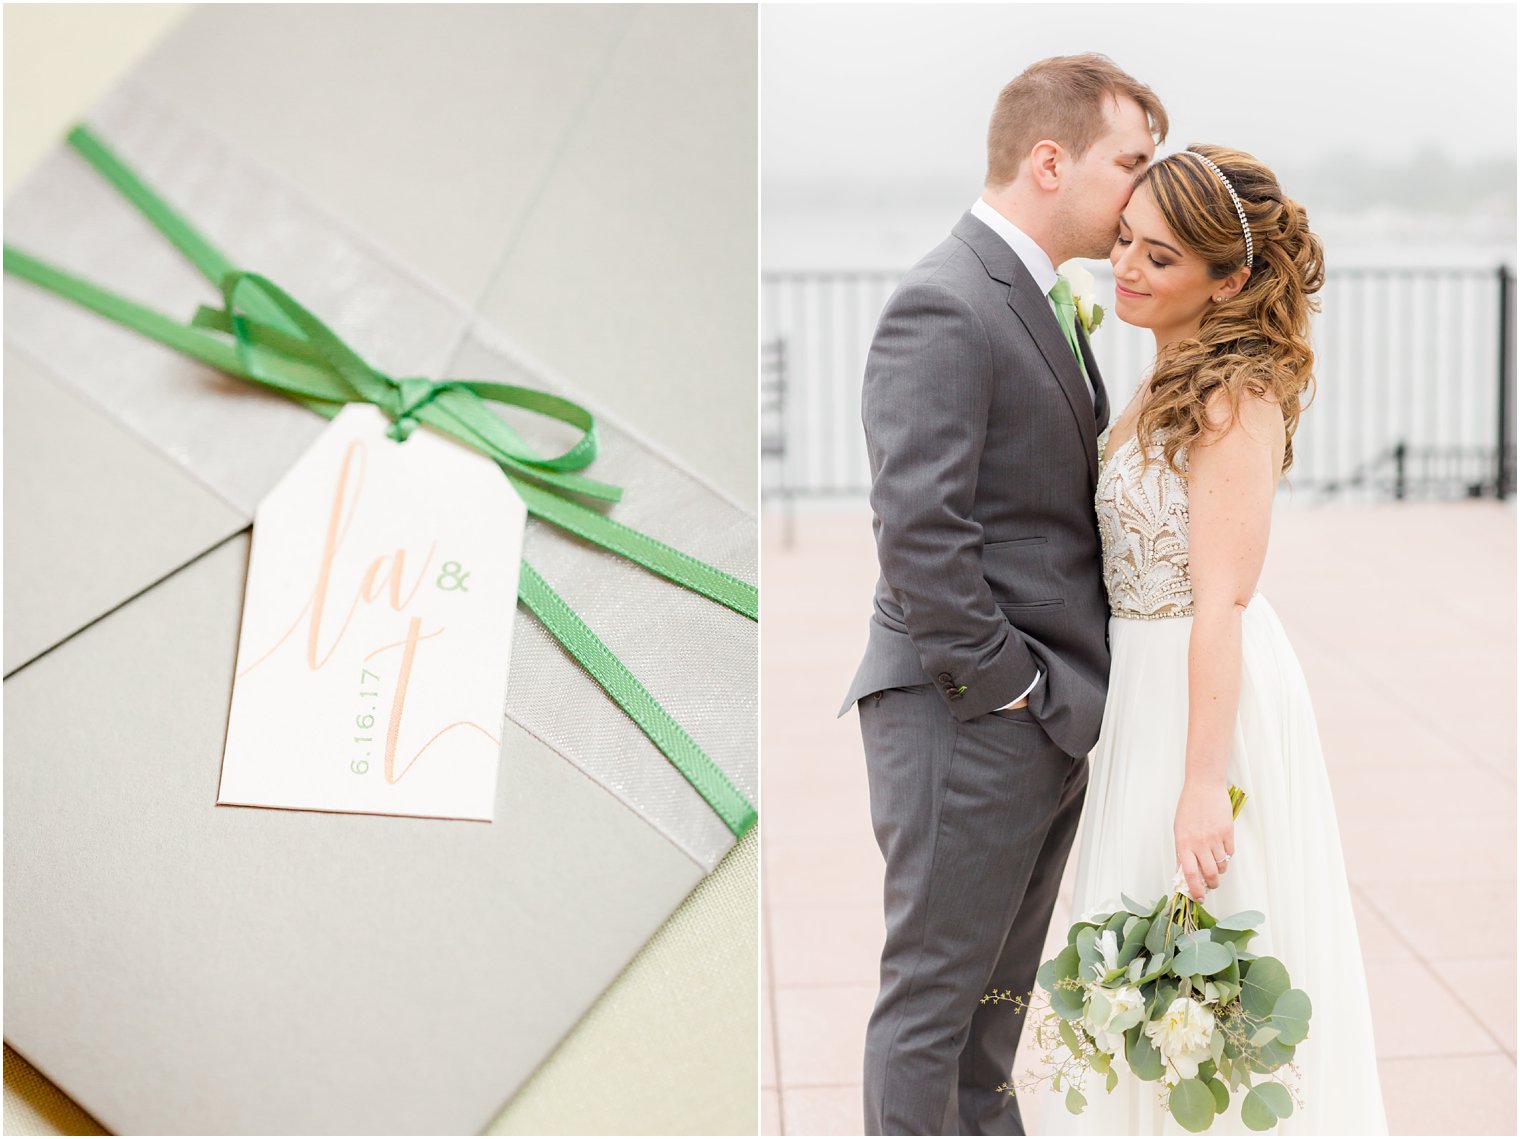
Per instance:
(1033,308)
(1100,392)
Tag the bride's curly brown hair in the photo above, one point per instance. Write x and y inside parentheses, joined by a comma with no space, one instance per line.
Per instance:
(1257,341)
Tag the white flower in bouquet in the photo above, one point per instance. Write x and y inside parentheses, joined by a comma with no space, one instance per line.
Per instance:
(1107,943)
(1232,1016)
(1110,1013)
(1182,1034)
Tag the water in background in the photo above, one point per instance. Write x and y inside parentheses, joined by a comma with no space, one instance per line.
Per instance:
(1408,346)
(863,235)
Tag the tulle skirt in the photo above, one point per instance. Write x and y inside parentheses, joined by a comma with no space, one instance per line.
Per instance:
(1287,864)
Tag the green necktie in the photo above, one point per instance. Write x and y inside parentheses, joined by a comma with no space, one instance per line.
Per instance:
(1066,313)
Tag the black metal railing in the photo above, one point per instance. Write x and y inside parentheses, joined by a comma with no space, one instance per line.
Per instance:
(1415,370)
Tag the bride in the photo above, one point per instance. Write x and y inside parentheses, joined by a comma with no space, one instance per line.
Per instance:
(1205,690)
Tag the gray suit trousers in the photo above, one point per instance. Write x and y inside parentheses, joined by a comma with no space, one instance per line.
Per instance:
(975,819)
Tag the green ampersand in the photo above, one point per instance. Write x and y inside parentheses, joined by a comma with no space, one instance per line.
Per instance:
(453,572)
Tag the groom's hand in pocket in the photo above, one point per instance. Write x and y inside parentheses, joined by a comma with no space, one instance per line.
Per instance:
(1023,701)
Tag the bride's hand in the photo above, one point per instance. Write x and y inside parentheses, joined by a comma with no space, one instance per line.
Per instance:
(1204,831)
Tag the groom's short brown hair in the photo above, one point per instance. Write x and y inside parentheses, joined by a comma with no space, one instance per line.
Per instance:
(1061,99)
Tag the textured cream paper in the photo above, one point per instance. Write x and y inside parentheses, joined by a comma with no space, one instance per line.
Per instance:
(377,626)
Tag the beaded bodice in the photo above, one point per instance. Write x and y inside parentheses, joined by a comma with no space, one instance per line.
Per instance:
(1143,522)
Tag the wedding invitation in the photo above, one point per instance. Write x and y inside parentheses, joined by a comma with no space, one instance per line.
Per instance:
(179,966)
(377,627)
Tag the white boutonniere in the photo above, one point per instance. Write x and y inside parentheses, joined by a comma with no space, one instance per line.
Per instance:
(1083,288)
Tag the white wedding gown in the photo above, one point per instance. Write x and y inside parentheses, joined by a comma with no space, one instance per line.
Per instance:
(1287,863)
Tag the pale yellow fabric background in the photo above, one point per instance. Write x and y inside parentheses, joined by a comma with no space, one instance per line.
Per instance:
(658,1053)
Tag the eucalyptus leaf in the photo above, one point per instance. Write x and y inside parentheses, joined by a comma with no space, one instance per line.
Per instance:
(1198,936)
(1264,1036)
(1291,1016)
(1102,1062)
(1216,1047)
(1134,939)
(1202,916)
(1277,1098)
(1262,982)
(1135,907)
(1066,1003)
(1155,939)
(1086,941)
(1192,1105)
(1090,955)
(1265,1105)
(1063,966)
(1240,1076)
(1271,1056)
(1236,937)
(1228,979)
(1166,993)
(1246,920)
(1144,1060)
(1202,959)
(1221,1096)
(1110,1080)
(1075,1101)
(1159,966)
(1255,1114)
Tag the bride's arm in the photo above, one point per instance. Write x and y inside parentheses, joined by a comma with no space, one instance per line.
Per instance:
(1233,470)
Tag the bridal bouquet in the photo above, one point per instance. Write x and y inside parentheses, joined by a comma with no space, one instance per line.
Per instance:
(1175,994)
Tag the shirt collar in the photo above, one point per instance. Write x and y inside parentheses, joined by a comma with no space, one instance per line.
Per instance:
(1034,258)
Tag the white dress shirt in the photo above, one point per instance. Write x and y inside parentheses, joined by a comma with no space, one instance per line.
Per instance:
(1035,259)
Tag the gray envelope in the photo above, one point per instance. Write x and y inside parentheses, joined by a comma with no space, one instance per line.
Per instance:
(179,967)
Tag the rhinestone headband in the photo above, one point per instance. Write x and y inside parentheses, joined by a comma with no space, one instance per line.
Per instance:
(1234,197)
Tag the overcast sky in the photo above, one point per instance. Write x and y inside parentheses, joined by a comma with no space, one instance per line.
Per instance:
(898,96)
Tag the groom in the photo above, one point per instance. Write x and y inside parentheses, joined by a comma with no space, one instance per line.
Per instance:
(983,681)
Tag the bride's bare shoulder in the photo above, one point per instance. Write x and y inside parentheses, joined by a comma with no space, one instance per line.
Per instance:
(1243,415)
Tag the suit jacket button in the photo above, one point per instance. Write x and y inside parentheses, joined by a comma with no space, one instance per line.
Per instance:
(945,678)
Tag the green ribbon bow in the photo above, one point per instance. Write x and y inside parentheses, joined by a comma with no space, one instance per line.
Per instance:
(278,343)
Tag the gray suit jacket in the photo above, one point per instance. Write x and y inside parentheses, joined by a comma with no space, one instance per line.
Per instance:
(984,460)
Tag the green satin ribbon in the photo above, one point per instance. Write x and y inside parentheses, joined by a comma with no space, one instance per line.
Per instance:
(278,343)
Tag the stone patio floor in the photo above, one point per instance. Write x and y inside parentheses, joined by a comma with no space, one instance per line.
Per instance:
(1403,616)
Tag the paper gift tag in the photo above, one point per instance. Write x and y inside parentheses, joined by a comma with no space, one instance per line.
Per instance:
(377,628)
